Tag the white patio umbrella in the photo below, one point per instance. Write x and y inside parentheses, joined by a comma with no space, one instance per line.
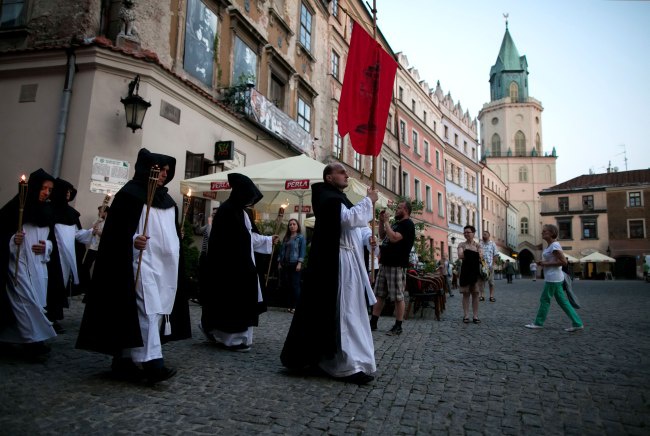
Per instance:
(596,257)
(571,259)
(505,257)
(281,181)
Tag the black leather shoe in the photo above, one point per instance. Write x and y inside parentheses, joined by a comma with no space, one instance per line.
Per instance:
(160,374)
(360,378)
(124,369)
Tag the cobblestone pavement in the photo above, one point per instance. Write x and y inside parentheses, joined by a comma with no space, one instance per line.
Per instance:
(436,378)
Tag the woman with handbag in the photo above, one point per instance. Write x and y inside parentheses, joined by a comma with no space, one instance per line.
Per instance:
(471,254)
(553,261)
(290,259)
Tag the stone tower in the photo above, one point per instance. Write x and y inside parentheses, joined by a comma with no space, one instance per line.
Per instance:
(512,145)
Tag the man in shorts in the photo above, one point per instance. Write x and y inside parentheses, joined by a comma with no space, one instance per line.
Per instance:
(397,241)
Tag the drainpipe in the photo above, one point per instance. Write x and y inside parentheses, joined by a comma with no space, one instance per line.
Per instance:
(64,111)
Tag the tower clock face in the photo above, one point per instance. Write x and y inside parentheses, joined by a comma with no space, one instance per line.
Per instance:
(495,121)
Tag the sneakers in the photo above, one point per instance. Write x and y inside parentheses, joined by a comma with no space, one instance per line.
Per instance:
(574,329)
(395,331)
(533,326)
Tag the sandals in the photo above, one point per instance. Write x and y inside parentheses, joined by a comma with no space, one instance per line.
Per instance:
(476,321)
(492,299)
(466,320)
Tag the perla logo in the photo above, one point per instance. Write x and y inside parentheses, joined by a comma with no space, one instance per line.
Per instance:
(219,186)
(296,184)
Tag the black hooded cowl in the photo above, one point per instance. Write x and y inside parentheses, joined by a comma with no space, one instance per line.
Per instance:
(110,320)
(313,335)
(229,302)
(36,213)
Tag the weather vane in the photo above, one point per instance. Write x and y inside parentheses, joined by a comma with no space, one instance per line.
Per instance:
(506,15)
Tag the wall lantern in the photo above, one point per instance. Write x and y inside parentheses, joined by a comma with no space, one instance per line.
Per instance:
(453,240)
(135,106)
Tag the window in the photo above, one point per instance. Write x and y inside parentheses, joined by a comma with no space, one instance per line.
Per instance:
(446,132)
(424,116)
(589,228)
(496,145)
(563,204)
(415,142)
(523,226)
(428,199)
(588,202)
(405,184)
(402,132)
(538,144)
(473,153)
(413,105)
(357,161)
(389,124)
(514,92)
(400,93)
(465,147)
(336,59)
(634,199)
(384,172)
(523,174)
(452,213)
(437,159)
(393,178)
(459,214)
(337,148)
(425,145)
(520,143)
(418,190)
(441,210)
(456,139)
(468,222)
(636,229)
(200,29)
(277,90)
(305,27)
(564,227)
(12,13)
(245,64)
(304,114)
(335,8)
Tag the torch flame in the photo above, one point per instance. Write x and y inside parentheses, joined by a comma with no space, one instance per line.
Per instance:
(189,193)
(23,179)
(284,205)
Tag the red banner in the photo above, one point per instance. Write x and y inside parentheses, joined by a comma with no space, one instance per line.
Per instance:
(367,90)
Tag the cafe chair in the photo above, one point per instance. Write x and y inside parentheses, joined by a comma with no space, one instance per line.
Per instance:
(424,293)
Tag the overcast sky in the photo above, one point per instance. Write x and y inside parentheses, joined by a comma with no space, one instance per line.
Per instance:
(588,63)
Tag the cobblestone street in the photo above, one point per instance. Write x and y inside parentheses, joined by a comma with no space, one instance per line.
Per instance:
(436,378)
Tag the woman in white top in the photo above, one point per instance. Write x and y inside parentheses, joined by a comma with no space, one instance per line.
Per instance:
(552,261)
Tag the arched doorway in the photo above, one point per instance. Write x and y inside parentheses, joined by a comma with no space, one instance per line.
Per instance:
(525,258)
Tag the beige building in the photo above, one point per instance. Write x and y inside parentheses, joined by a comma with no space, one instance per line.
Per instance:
(214,71)
(513,148)
(494,207)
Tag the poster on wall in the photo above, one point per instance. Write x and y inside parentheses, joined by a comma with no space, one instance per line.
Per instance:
(108,175)
(200,32)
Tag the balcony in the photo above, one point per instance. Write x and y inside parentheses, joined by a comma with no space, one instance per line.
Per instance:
(246,101)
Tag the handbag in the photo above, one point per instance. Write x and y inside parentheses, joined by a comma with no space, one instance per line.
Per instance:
(568,288)
(484,270)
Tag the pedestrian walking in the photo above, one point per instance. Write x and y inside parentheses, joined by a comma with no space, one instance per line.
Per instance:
(553,260)
(25,253)
(490,254)
(136,304)
(509,270)
(397,241)
(330,328)
(290,260)
(93,246)
(232,301)
(533,270)
(470,252)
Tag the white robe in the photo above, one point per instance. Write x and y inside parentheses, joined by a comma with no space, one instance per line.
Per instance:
(66,235)
(28,296)
(158,279)
(356,351)
(261,244)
